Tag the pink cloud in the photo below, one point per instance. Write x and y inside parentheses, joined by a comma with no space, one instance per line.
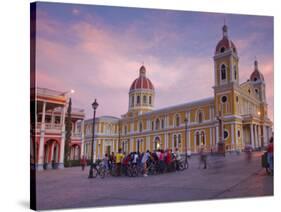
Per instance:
(103,60)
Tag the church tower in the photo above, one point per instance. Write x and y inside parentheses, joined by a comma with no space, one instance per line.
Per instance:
(226,61)
(226,75)
(258,82)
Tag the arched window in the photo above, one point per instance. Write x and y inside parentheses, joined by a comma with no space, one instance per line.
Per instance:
(222,49)
(157,124)
(125,129)
(133,100)
(200,117)
(140,127)
(235,72)
(177,120)
(138,100)
(175,141)
(197,139)
(150,100)
(152,125)
(223,72)
(162,124)
(144,99)
(202,138)
(179,141)
(156,143)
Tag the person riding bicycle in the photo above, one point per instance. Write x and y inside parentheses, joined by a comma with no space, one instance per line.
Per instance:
(144,161)
(105,162)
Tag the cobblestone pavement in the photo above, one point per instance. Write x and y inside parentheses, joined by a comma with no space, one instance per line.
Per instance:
(226,177)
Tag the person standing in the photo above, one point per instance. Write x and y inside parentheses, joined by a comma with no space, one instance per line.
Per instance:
(270,155)
(203,156)
(119,158)
(178,158)
(83,162)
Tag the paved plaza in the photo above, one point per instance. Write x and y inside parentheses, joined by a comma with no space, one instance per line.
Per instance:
(226,177)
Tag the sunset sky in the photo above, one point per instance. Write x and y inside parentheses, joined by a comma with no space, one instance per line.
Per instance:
(97,51)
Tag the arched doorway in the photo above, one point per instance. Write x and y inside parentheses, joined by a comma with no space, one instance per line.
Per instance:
(157,143)
(51,154)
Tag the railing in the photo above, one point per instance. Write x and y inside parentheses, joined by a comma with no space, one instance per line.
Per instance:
(76,135)
(52,126)
(49,92)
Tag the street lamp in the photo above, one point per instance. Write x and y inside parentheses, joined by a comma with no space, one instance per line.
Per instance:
(221,144)
(185,122)
(95,106)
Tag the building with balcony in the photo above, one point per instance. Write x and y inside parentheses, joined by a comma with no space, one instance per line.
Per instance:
(48,128)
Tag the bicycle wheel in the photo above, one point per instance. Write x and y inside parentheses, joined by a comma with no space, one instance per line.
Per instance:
(95,172)
(101,172)
(135,171)
(181,166)
(129,171)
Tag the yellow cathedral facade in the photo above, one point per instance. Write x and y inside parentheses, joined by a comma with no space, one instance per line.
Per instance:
(236,114)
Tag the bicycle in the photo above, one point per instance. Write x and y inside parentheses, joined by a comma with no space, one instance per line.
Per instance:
(183,164)
(132,170)
(98,169)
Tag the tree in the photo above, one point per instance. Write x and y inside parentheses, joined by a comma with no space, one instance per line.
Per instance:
(68,132)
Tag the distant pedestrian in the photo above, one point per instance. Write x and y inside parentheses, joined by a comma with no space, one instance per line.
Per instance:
(270,155)
(83,162)
(203,157)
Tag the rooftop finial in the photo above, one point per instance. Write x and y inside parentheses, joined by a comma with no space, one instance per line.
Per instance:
(256,63)
(142,70)
(224,29)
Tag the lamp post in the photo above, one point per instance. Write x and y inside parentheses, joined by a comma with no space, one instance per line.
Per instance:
(221,144)
(185,122)
(95,106)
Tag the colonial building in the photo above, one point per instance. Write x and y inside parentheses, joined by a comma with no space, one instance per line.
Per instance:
(48,129)
(236,114)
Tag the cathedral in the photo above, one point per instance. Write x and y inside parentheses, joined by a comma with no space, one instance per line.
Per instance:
(236,115)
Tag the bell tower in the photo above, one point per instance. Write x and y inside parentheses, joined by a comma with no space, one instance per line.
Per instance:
(226,61)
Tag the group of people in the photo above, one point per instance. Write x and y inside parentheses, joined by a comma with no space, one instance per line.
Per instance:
(163,158)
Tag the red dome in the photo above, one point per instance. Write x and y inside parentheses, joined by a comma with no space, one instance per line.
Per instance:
(256,75)
(142,82)
(225,44)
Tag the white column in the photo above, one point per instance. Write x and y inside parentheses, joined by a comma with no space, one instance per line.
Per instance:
(147,143)
(242,135)
(188,137)
(82,138)
(256,135)
(165,141)
(252,135)
(131,145)
(211,136)
(259,135)
(41,142)
(217,135)
(265,138)
(232,136)
(62,143)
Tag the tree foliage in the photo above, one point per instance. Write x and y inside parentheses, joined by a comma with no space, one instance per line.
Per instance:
(68,131)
